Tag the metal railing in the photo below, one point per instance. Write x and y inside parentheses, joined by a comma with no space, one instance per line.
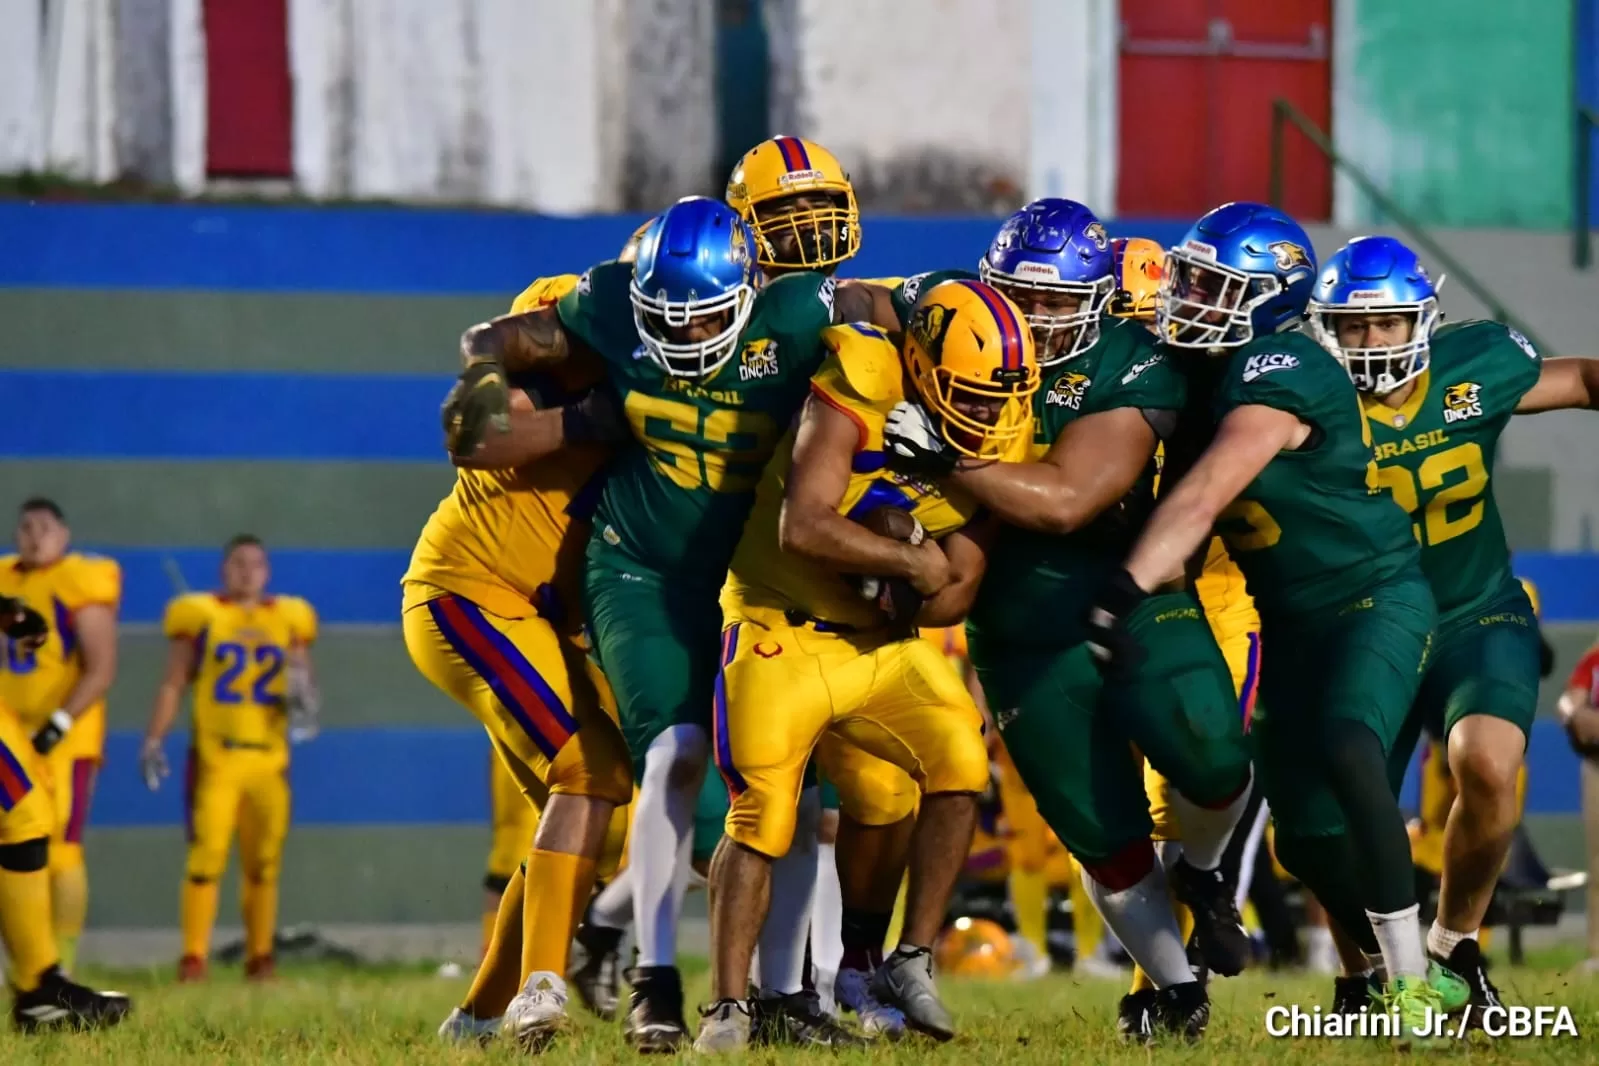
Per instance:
(1284,114)
(1581,223)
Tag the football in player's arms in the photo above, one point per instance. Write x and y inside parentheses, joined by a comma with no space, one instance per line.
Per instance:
(896,597)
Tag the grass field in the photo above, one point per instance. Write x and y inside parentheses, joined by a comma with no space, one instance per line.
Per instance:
(388,1018)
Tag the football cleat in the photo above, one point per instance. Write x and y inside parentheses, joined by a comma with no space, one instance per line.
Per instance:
(537,1012)
(1183,1009)
(1351,994)
(597,977)
(1135,1017)
(461,1028)
(724,1026)
(905,982)
(191,968)
(852,990)
(654,1023)
(1220,931)
(797,1020)
(260,968)
(59,1003)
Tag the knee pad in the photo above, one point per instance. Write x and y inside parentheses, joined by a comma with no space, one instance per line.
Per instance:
(962,766)
(203,864)
(29,856)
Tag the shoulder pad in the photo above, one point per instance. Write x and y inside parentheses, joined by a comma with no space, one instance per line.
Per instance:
(868,360)
(543,291)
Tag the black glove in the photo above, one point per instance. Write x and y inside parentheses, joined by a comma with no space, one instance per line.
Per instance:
(912,443)
(1116,652)
(478,400)
(50,734)
(595,419)
(20,622)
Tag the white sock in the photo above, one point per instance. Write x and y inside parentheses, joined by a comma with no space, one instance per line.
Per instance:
(1399,937)
(1441,941)
(1376,965)
(1246,861)
(1206,830)
(663,837)
(1320,951)
(1142,919)
(613,907)
(788,916)
(827,924)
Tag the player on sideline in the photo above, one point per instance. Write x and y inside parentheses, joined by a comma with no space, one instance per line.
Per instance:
(247,655)
(794,617)
(1436,399)
(58,690)
(43,997)
(1108,399)
(709,373)
(1330,560)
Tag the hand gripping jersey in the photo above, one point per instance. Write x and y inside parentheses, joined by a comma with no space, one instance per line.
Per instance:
(675,498)
(511,541)
(1314,529)
(34,684)
(1039,586)
(864,377)
(241,663)
(1435,454)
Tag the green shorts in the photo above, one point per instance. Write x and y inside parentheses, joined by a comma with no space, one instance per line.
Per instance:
(658,642)
(1362,662)
(1071,735)
(1484,663)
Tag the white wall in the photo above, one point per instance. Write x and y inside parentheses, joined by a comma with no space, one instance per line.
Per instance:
(57,88)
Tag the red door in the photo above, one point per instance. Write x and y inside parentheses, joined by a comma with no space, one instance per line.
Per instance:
(1197,80)
(249,96)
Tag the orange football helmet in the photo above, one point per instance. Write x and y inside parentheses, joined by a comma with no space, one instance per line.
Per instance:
(1139,265)
(972,361)
(796,197)
(975,947)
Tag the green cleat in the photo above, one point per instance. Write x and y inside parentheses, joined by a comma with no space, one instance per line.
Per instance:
(1419,1005)
(1453,992)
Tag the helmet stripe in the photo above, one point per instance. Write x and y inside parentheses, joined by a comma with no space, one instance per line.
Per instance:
(1010,330)
(795,157)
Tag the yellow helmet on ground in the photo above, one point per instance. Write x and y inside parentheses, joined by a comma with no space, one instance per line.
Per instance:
(796,197)
(1139,265)
(975,947)
(972,360)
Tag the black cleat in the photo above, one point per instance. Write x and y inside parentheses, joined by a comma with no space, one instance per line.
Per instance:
(1467,963)
(1220,931)
(1183,1009)
(62,1004)
(1135,1017)
(655,1024)
(597,978)
(1351,994)
(798,1020)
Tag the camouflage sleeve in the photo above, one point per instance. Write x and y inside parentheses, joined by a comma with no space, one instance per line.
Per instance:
(599,312)
(907,292)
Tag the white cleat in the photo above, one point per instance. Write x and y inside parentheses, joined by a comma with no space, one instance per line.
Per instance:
(724,1027)
(537,1012)
(852,990)
(461,1028)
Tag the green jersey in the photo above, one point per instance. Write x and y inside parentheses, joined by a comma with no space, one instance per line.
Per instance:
(1314,529)
(1435,453)
(907,292)
(676,497)
(1038,585)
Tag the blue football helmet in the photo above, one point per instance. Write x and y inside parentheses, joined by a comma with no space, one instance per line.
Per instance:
(1242,271)
(1376,276)
(1053,259)
(695,272)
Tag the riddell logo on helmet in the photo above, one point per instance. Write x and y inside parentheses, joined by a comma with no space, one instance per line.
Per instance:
(801,177)
(1200,249)
(1368,296)
(1045,271)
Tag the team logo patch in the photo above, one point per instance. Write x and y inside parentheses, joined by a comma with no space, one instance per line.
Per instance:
(767,649)
(1068,391)
(912,285)
(1138,369)
(1522,342)
(585,284)
(929,325)
(758,360)
(1096,233)
(1287,255)
(1462,401)
(738,251)
(1264,363)
(737,190)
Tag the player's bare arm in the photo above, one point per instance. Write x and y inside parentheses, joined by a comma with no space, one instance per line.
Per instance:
(1246,441)
(96,626)
(1563,384)
(862,301)
(528,341)
(168,700)
(533,433)
(810,526)
(967,552)
(1095,462)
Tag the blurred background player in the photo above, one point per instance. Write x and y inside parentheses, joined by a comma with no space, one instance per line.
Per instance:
(42,995)
(247,656)
(1578,711)
(57,691)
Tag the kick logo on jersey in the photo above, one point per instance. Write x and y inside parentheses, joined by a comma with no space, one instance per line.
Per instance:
(1138,369)
(912,285)
(1522,342)
(1462,401)
(1264,363)
(758,360)
(1068,391)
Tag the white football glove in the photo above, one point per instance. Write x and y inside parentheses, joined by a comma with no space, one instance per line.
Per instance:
(304,705)
(914,444)
(153,764)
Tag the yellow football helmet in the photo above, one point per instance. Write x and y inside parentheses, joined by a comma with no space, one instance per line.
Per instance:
(972,360)
(975,947)
(629,251)
(1139,264)
(796,197)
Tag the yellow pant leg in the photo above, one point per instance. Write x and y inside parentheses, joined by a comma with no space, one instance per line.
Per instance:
(27,811)
(264,806)
(871,791)
(529,687)
(513,821)
(213,787)
(773,701)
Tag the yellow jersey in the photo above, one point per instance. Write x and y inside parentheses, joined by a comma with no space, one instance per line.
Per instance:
(863,377)
(512,541)
(241,658)
(34,684)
